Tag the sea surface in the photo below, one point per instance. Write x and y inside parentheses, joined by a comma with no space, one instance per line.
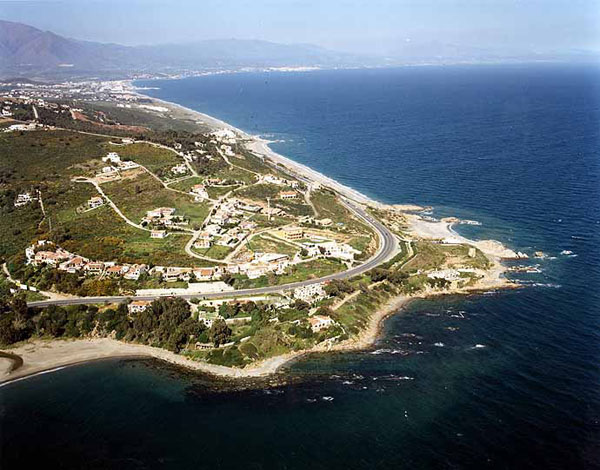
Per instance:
(507,380)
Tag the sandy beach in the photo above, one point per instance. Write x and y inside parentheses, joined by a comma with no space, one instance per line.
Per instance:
(40,356)
(261,147)
(43,356)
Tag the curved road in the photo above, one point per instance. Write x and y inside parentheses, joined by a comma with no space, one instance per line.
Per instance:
(388,245)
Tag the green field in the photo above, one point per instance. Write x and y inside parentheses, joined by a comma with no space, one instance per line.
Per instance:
(433,256)
(215,192)
(329,207)
(137,117)
(215,251)
(268,245)
(44,160)
(309,270)
(46,156)
(156,159)
(102,235)
(259,192)
(186,184)
(136,196)
(237,174)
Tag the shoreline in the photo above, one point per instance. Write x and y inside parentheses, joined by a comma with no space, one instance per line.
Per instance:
(258,145)
(43,356)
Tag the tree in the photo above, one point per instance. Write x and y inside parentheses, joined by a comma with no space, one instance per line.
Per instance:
(301,305)
(325,311)
(227,278)
(338,287)
(172,312)
(15,322)
(193,327)
(177,339)
(219,332)
(379,274)
(397,277)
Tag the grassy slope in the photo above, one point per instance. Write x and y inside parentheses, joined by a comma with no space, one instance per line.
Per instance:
(143,193)
(153,158)
(48,160)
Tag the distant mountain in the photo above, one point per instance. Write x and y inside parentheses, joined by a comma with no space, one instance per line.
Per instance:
(23,46)
(29,52)
(25,50)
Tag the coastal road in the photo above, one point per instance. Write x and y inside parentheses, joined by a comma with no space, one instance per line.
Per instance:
(388,247)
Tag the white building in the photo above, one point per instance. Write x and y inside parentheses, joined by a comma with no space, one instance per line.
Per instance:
(158,234)
(199,192)
(310,293)
(161,212)
(320,322)
(272,179)
(203,241)
(112,157)
(95,201)
(333,249)
(179,169)
(128,165)
(138,306)
(23,199)
(288,195)
(109,170)
(136,271)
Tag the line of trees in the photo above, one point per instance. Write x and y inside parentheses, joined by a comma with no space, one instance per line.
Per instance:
(167,323)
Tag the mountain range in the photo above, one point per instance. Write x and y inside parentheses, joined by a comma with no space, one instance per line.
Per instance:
(29,52)
(25,50)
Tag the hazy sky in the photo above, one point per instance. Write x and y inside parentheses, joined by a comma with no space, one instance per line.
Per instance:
(375,26)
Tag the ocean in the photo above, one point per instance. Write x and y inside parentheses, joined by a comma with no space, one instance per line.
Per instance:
(505,380)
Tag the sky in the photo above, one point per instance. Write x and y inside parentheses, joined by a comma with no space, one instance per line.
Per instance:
(369,26)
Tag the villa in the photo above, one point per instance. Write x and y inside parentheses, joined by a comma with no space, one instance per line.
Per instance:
(94,268)
(23,199)
(180,169)
(116,270)
(324,222)
(112,157)
(293,233)
(95,201)
(309,293)
(204,274)
(73,265)
(288,195)
(134,272)
(109,170)
(158,234)
(50,257)
(320,322)
(127,165)
(199,191)
(161,212)
(203,241)
(138,306)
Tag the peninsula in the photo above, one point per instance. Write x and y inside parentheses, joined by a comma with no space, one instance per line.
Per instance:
(142,228)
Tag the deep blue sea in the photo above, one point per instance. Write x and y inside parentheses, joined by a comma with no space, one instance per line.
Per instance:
(506,380)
